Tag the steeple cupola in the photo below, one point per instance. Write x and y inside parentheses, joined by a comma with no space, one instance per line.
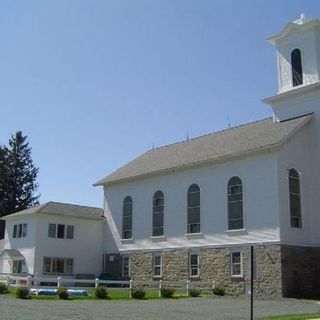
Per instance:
(298,60)
(298,53)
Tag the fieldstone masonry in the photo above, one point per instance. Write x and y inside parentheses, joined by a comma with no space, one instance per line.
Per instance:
(281,270)
(141,266)
(215,265)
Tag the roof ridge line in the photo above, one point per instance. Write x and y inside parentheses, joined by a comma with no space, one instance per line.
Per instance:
(44,205)
(208,134)
(68,204)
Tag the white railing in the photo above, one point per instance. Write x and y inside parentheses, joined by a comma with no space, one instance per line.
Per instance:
(30,281)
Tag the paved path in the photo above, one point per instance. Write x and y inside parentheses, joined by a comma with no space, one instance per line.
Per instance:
(215,308)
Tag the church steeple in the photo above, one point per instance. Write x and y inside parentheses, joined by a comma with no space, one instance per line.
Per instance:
(298,58)
(298,52)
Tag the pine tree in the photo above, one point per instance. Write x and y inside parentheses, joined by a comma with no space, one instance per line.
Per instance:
(18,177)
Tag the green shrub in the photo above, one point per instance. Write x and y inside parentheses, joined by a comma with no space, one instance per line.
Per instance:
(194,293)
(167,292)
(63,293)
(22,293)
(218,291)
(101,292)
(138,293)
(3,288)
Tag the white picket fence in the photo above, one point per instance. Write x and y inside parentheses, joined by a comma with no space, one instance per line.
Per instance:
(34,282)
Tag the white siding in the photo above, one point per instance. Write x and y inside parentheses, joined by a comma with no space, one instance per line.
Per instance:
(301,152)
(305,41)
(261,219)
(86,248)
(25,245)
(297,153)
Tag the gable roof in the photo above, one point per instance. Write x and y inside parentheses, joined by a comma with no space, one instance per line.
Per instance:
(219,146)
(12,254)
(63,209)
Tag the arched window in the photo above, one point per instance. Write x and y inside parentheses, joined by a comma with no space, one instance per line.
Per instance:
(127,218)
(235,204)
(193,209)
(157,214)
(296,67)
(295,199)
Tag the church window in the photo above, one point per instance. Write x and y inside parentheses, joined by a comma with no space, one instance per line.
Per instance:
(157,265)
(194,264)
(236,264)
(126,266)
(295,199)
(157,214)
(235,204)
(193,209)
(127,218)
(296,65)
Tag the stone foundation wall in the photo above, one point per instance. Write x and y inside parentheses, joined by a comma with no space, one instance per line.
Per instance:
(215,265)
(141,266)
(269,276)
(175,265)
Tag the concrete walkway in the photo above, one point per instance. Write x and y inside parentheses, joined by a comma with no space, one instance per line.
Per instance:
(215,308)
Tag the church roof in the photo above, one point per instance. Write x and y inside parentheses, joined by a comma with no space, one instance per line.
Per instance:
(219,146)
(63,209)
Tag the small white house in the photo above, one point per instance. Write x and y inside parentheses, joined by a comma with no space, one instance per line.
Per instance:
(54,239)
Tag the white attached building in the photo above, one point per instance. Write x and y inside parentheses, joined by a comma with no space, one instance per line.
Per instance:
(191,210)
(54,239)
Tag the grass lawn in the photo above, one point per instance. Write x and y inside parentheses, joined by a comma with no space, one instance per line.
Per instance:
(295,317)
(113,295)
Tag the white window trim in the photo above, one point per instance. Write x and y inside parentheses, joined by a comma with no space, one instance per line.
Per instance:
(64,265)
(64,233)
(301,227)
(231,264)
(158,265)
(129,266)
(200,218)
(198,265)
(243,184)
(22,229)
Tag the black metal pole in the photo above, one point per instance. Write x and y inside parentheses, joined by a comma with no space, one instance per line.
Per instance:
(251,276)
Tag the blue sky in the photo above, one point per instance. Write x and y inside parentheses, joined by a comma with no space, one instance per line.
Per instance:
(95,83)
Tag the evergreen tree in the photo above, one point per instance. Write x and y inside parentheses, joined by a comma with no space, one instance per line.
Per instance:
(18,177)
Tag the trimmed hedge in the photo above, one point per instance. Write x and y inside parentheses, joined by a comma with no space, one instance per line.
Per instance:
(219,291)
(138,293)
(63,293)
(22,293)
(3,288)
(194,293)
(101,292)
(167,292)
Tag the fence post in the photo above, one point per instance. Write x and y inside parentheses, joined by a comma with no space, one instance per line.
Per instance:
(188,282)
(96,282)
(35,281)
(8,281)
(130,289)
(213,285)
(59,282)
(160,287)
(28,281)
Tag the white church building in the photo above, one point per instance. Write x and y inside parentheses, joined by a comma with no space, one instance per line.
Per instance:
(191,210)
